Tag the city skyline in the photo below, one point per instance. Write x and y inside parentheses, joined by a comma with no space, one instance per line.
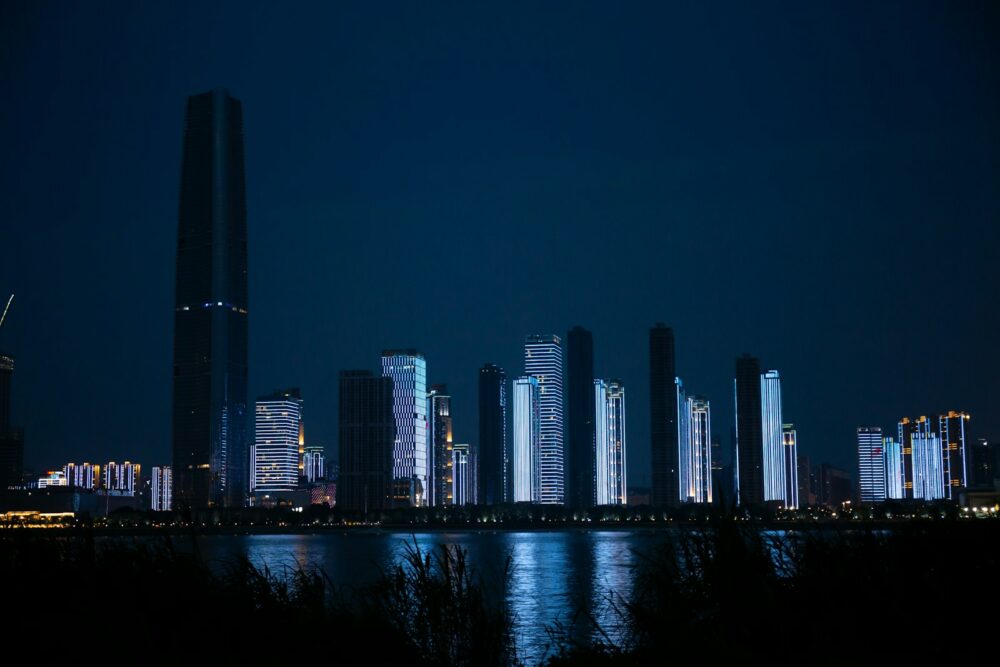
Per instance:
(695,190)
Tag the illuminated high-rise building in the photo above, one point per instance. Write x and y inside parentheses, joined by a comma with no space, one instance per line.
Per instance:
(162,488)
(526,450)
(663,416)
(581,430)
(894,487)
(871,464)
(602,444)
(83,475)
(439,431)
(775,485)
(696,468)
(543,360)
(410,459)
(951,429)
(617,457)
(923,459)
(314,464)
(367,429)
(464,475)
(278,423)
(494,457)
(210,313)
(52,478)
(121,478)
(790,446)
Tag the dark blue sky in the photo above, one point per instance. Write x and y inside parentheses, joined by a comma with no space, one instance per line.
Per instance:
(815,183)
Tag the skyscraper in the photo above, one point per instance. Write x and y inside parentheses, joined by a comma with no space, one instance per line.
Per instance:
(210,313)
(162,489)
(697,479)
(894,489)
(749,453)
(410,460)
(617,457)
(924,475)
(790,447)
(367,431)
(464,478)
(581,409)
(11,439)
(543,360)
(439,412)
(278,423)
(494,465)
(663,417)
(871,464)
(774,453)
(525,461)
(951,428)
(314,464)
(602,444)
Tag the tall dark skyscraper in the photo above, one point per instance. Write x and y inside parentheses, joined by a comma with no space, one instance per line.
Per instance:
(749,432)
(663,416)
(210,315)
(494,466)
(580,404)
(367,435)
(11,439)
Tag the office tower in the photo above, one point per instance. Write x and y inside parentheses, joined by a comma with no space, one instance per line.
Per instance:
(775,485)
(52,478)
(663,417)
(807,491)
(210,315)
(526,454)
(618,459)
(543,360)
(367,429)
(749,448)
(439,430)
(410,459)
(683,443)
(314,464)
(835,486)
(871,465)
(278,421)
(696,479)
(602,445)
(951,428)
(494,464)
(465,478)
(162,487)
(894,486)
(790,446)
(580,436)
(83,475)
(121,478)
(984,463)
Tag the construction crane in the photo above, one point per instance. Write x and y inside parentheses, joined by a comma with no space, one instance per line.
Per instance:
(5,309)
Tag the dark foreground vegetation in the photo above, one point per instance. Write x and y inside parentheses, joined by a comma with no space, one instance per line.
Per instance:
(732,590)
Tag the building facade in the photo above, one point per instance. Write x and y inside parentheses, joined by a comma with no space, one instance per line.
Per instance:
(367,434)
(162,491)
(277,425)
(465,476)
(663,415)
(749,454)
(697,450)
(543,360)
(581,430)
(526,474)
(871,464)
(494,464)
(411,471)
(210,453)
(439,410)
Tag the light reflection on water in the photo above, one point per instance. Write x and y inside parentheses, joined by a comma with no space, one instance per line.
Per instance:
(554,573)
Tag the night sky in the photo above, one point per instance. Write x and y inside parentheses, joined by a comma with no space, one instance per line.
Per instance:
(815,183)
